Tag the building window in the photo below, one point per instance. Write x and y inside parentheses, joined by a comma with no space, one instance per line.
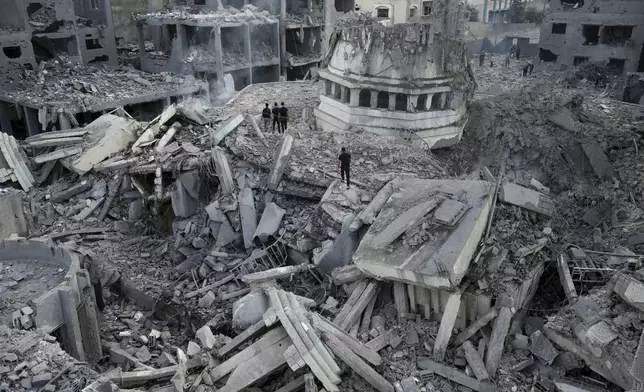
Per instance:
(421,102)
(436,101)
(383,100)
(617,64)
(616,35)
(591,34)
(547,56)
(427,8)
(382,12)
(558,28)
(413,11)
(579,60)
(401,102)
(93,4)
(364,99)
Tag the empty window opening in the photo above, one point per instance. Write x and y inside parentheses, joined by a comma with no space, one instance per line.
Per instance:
(92,44)
(383,100)
(591,34)
(617,64)
(346,96)
(579,60)
(413,11)
(12,52)
(640,66)
(436,101)
(559,28)
(33,7)
(401,102)
(427,8)
(200,2)
(344,5)
(233,42)
(616,35)
(264,45)
(93,4)
(547,56)
(382,12)
(364,99)
(99,59)
(337,93)
(421,102)
(327,88)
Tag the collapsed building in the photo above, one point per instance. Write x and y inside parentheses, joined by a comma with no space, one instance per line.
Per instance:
(257,43)
(406,80)
(612,33)
(41,30)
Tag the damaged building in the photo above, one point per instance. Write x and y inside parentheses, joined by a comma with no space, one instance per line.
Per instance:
(231,48)
(611,33)
(406,80)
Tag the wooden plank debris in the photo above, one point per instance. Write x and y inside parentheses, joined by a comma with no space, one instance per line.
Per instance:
(276,273)
(357,364)
(454,375)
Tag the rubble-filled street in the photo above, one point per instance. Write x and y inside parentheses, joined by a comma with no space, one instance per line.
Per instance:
(456,227)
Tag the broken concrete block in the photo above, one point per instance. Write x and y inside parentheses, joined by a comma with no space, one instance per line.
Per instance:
(600,334)
(193,184)
(226,235)
(215,213)
(637,369)
(165,360)
(342,250)
(450,211)
(587,310)
(227,128)
(577,254)
(527,198)
(627,258)
(270,222)
(41,379)
(248,216)
(631,290)
(223,171)
(447,324)
(207,300)
(183,204)
(143,354)
(280,162)
(541,347)
(497,340)
(193,349)
(598,160)
(249,309)
(205,336)
(564,118)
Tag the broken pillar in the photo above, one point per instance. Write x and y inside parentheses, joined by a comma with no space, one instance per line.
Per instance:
(497,340)
(280,162)
(270,222)
(447,325)
(223,171)
(183,204)
(248,216)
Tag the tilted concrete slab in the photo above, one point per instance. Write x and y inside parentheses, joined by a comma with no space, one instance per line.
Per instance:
(440,262)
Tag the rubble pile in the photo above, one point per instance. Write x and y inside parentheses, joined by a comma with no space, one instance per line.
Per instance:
(60,85)
(227,14)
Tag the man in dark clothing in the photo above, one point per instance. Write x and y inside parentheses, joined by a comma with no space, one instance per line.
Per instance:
(276,117)
(283,116)
(518,53)
(266,117)
(344,162)
(525,70)
(530,68)
(481,58)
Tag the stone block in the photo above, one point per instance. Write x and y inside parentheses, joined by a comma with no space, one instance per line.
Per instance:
(205,336)
(600,334)
(588,310)
(207,300)
(41,379)
(541,347)
(249,309)
(193,349)
(631,290)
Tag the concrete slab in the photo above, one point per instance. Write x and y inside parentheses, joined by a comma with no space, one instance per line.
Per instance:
(450,211)
(440,262)
(541,347)
(631,290)
(527,198)
(12,216)
(600,334)
(598,160)
(248,216)
(269,222)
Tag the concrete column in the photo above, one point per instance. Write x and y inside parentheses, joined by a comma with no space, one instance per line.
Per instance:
(484,16)
(354,100)
(31,119)
(247,45)
(219,57)
(343,94)
(141,37)
(283,36)
(88,316)
(412,102)
(182,40)
(63,122)
(334,89)
(72,325)
(443,100)
(374,99)
(392,101)
(428,101)
(452,308)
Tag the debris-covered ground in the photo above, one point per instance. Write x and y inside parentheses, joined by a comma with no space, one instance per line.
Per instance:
(224,248)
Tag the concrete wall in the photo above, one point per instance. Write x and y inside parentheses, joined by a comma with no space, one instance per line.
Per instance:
(571,44)
(11,16)
(122,11)
(399,10)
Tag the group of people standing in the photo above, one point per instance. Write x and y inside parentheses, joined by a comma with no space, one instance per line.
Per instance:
(279,114)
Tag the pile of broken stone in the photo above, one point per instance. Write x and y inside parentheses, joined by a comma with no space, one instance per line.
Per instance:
(228,14)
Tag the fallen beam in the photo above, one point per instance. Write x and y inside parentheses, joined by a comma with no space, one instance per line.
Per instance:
(357,364)
(280,162)
(497,340)
(257,130)
(368,215)
(346,274)
(454,375)
(474,360)
(351,301)
(58,154)
(447,325)
(165,139)
(324,325)
(68,193)
(54,142)
(223,171)
(361,304)
(474,327)
(243,337)
(218,136)
(205,289)
(276,273)
(565,278)
(140,377)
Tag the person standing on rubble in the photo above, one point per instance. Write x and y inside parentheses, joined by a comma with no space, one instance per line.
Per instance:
(276,117)
(507,59)
(344,162)
(530,68)
(266,117)
(283,117)
(525,69)
(481,58)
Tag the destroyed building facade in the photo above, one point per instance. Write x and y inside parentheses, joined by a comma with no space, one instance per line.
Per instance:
(235,46)
(407,80)
(43,29)
(609,32)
